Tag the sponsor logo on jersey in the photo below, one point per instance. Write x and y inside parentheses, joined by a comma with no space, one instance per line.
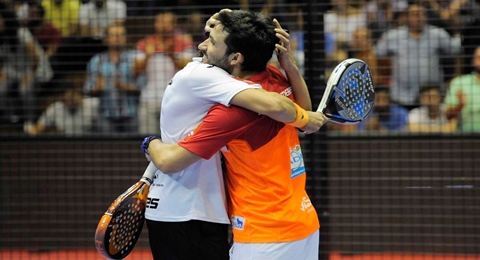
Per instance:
(237,222)
(287,92)
(306,204)
(296,162)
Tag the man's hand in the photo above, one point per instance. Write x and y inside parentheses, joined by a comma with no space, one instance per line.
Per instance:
(315,122)
(283,50)
(213,21)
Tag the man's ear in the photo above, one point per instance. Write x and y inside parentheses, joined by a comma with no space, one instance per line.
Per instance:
(237,58)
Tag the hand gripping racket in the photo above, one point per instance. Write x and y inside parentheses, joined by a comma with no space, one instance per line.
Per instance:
(120,227)
(349,95)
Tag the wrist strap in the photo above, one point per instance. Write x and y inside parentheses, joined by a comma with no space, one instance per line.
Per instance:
(146,142)
(301,119)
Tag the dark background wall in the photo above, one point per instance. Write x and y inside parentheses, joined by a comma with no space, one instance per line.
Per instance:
(376,194)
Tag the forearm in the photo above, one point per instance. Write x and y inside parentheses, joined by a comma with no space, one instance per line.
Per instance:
(170,158)
(271,104)
(299,88)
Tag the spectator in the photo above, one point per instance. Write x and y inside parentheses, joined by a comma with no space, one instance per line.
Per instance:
(451,14)
(63,14)
(470,36)
(111,76)
(386,116)
(415,50)
(167,51)
(47,35)
(9,46)
(26,64)
(383,15)
(71,115)
(341,21)
(361,47)
(97,15)
(462,98)
(159,72)
(168,39)
(430,117)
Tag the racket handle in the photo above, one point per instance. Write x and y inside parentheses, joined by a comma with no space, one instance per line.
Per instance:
(149,173)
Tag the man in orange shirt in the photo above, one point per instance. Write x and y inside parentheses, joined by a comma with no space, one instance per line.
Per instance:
(271,213)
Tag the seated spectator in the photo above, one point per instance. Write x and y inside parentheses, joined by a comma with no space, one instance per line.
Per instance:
(168,39)
(386,116)
(430,117)
(47,35)
(63,14)
(361,47)
(341,21)
(97,15)
(111,77)
(462,98)
(72,115)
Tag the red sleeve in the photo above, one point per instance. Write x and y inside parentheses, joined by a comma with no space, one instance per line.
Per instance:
(221,125)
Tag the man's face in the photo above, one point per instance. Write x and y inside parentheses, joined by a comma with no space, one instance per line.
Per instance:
(416,17)
(214,49)
(476,60)
(165,23)
(116,36)
(431,97)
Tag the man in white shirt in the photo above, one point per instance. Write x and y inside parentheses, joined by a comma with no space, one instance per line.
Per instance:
(186,211)
(97,15)
(73,115)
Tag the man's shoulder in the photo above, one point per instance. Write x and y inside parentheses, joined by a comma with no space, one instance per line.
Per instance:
(204,70)
(468,79)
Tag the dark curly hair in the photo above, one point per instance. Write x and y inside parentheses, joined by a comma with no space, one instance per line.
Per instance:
(252,34)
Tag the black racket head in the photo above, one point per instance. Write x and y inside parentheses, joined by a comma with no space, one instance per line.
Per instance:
(120,227)
(351,92)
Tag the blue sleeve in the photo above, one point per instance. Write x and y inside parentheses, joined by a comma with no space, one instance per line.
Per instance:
(92,73)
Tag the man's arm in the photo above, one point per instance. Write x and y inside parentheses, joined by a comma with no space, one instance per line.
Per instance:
(289,65)
(271,104)
(220,126)
(170,158)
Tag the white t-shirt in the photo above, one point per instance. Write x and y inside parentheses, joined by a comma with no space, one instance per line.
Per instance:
(102,17)
(78,122)
(197,192)
(420,115)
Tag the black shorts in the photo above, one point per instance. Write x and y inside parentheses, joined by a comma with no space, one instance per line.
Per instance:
(188,240)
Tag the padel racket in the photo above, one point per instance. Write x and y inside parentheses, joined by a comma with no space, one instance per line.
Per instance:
(120,227)
(349,95)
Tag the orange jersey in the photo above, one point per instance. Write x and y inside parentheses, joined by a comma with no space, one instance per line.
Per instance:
(266,174)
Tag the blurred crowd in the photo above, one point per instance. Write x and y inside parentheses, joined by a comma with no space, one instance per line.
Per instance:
(79,67)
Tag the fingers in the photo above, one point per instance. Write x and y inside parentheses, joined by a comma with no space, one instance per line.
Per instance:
(213,20)
(316,121)
(283,36)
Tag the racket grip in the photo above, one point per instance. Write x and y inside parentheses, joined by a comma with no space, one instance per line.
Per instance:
(149,173)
